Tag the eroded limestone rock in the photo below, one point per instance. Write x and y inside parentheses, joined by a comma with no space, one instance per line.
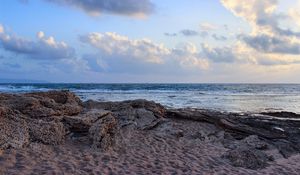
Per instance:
(102,133)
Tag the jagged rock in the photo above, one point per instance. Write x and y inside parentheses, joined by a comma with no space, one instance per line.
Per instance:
(142,113)
(43,104)
(47,132)
(102,133)
(247,157)
(82,123)
(66,102)
(14,132)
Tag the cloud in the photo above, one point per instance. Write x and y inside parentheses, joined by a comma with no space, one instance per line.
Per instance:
(207,27)
(1,29)
(45,48)
(188,32)
(12,65)
(261,15)
(294,13)
(219,37)
(170,34)
(224,55)
(112,44)
(116,53)
(268,43)
(138,8)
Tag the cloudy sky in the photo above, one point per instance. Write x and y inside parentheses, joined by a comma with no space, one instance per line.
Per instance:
(146,41)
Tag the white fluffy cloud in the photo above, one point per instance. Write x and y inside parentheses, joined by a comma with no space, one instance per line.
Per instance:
(112,44)
(44,48)
(118,51)
(295,13)
(268,43)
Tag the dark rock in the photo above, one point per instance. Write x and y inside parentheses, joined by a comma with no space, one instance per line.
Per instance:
(282,114)
(247,158)
(285,147)
(254,142)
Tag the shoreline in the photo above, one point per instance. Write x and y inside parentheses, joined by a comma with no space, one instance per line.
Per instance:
(54,132)
(230,98)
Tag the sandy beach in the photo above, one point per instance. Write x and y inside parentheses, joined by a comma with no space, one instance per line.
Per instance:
(56,133)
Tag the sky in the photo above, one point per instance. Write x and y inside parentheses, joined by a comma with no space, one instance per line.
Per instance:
(150,41)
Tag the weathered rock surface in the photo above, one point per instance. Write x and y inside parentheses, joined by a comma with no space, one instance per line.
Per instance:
(252,141)
(141,113)
(81,123)
(47,132)
(14,131)
(247,158)
(43,104)
(35,117)
(103,132)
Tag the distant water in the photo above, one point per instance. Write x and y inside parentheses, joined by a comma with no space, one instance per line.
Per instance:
(225,97)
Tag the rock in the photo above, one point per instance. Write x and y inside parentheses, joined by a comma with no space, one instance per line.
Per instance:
(141,113)
(65,102)
(102,133)
(247,158)
(127,108)
(282,114)
(14,132)
(82,123)
(43,104)
(50,133)
(145,119)
(285,147)
(254,142)
(47,117)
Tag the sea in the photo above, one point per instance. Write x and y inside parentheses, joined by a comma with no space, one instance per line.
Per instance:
(222,97)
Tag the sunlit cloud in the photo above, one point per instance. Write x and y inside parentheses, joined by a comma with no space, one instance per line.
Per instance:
(45,48)
(118,51)
(268,43)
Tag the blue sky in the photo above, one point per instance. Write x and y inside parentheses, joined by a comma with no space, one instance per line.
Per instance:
(146,41)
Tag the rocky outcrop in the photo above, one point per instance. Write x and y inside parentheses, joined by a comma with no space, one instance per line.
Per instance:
(35,117)
(55,117)
(141,113)
(43,104)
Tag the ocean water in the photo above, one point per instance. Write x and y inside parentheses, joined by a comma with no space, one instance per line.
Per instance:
(224,97)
